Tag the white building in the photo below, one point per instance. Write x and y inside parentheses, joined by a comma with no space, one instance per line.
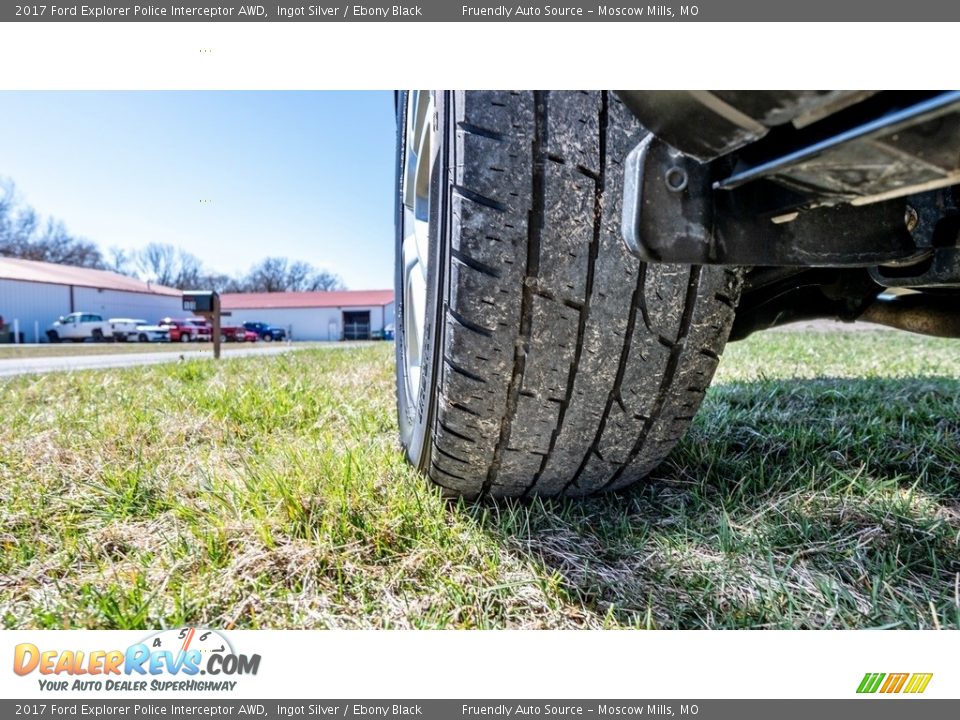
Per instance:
(37,293)
(322,315)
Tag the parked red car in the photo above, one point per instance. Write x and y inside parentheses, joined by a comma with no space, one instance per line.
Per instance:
(204,331)
(187,330)
(236,333)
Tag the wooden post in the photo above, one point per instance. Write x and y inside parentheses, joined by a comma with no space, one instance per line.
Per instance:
(216,326)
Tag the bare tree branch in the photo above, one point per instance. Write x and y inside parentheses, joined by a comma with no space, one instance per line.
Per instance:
(276,274)
(21,235)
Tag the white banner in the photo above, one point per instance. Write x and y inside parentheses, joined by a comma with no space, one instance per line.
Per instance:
(198,663)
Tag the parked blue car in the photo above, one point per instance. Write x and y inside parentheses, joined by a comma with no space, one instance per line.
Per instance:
(267,333)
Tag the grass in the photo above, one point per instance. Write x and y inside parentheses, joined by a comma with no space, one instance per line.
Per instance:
(818,488)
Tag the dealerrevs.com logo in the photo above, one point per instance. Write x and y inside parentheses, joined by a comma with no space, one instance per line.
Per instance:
(170,660)
(891,683)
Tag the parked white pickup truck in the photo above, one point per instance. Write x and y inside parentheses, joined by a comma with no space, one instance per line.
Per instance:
(80,326)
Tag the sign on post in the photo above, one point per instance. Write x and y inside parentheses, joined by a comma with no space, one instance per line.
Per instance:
(205,303)
(200,302)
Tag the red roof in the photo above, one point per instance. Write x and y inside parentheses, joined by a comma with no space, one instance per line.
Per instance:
(318,299)
(43,272)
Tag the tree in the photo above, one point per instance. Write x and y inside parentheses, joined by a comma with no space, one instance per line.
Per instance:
(120,261)
(190,272)
(156,262)
(276,274)
(21,235)
(164,264)
(57,245)
(270,275)
(224,283)
(324,280)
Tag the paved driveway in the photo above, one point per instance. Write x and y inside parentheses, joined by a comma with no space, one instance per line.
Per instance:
(25,366)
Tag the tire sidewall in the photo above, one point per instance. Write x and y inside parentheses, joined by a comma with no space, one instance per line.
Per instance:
(415,415)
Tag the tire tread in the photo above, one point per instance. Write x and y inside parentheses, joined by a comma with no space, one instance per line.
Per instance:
(569,367)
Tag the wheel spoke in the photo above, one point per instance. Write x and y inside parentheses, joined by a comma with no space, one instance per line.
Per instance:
(412,258)
(418,165)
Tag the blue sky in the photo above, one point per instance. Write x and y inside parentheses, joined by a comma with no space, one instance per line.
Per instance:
(306,175)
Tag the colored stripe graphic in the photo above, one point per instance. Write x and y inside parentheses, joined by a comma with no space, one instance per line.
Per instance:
(894,683)
(918,682)
(870,682)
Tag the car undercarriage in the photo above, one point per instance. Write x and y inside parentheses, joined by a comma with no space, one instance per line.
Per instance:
(840,204)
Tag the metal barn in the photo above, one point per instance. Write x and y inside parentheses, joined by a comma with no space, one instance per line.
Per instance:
(36,293)
(323,315)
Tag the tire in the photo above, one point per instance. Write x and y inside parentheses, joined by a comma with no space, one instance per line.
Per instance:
(267,337)
(184,337)
(143,338)
(52,336)
(97,335)
(223,338)
(552,362)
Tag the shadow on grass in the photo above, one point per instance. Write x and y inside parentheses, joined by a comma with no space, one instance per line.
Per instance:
(827,503)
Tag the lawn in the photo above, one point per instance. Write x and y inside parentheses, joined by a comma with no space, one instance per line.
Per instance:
(818,488)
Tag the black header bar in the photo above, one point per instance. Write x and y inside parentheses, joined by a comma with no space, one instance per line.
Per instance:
(456,11)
